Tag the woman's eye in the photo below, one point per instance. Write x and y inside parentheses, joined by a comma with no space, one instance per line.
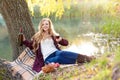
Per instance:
(46,24)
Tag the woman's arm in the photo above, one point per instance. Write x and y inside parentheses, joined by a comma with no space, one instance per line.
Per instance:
(28,43)
(61,41)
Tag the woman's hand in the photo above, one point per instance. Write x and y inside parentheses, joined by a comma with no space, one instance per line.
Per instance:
(58,38)
(24,38)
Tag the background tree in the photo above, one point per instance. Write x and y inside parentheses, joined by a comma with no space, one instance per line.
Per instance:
(16,15)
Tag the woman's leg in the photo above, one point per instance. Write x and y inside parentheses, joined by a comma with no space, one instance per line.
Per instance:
(67,54)
(61,60)
(62,57)
(67,57)
(80,58)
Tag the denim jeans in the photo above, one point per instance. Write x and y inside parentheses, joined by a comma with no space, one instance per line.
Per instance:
(62,57)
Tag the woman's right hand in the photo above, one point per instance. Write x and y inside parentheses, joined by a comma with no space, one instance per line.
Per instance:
(24,37)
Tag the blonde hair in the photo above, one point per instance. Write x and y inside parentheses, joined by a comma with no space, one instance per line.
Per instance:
(39,35)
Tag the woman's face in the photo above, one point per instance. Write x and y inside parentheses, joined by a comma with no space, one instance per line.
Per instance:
(45,25)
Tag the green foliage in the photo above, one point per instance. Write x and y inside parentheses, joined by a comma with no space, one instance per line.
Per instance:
(48,7)
(2,72)
(44,77)
(117,55)
(102,16)
(111,26)
(103,75)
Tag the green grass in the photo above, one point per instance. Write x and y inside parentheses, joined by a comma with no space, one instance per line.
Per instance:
(105,74)
(117,56)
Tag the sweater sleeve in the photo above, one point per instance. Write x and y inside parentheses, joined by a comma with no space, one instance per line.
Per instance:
(28,44)
(64,42)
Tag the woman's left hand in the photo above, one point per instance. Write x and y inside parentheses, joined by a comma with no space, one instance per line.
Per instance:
(59,39)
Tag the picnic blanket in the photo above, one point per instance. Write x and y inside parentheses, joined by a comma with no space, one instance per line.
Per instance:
(23,65)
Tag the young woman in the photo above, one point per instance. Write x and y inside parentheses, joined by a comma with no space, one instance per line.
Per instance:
(45,43)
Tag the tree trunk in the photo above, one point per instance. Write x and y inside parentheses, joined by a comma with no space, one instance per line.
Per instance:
(16,15)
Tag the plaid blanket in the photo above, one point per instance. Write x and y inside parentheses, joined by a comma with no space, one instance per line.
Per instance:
(23,65)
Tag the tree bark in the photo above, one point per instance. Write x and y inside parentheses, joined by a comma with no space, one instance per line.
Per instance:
(16,15)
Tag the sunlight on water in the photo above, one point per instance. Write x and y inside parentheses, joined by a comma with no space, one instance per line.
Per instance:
(86,48)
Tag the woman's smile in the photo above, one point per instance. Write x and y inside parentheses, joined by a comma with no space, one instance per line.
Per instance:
(45,25)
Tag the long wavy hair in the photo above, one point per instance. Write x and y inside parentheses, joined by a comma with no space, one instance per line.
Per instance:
(39,35)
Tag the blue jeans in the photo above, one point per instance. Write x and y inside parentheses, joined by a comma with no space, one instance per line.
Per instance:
(62,57)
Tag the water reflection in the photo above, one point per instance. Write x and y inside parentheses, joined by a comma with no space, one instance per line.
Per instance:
(96,44)
(86,48)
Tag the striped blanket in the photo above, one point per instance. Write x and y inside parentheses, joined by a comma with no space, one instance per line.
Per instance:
(23,65)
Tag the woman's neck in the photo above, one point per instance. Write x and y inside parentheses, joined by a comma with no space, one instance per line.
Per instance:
(46,35)
(45,32)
